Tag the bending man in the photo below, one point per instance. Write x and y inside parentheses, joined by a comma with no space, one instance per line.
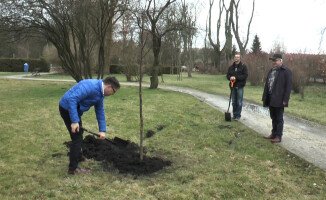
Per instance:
(76,101)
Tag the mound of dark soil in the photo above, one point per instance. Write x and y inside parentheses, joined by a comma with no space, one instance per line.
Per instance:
(123,155)
(149,133)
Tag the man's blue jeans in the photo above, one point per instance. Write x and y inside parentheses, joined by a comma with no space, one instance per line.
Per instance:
(237,97)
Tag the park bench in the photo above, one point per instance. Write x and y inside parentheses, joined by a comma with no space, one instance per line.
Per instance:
(36,72)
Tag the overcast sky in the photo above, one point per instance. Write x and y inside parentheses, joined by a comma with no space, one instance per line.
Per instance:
(295,23)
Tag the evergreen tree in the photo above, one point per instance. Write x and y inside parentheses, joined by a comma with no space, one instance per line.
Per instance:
(256,48)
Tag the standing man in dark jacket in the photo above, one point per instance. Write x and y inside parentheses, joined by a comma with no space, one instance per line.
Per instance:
(76,101)
(276,95)
(237,72)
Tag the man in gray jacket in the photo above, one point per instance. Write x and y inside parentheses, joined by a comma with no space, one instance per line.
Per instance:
(276,95)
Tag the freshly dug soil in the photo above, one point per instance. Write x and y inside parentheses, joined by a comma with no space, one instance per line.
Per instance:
(149,133)
(124,155)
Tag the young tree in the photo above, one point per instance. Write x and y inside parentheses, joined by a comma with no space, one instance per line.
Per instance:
(142,51)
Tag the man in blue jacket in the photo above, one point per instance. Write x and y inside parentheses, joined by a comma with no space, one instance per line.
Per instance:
(76,101)
(276,95)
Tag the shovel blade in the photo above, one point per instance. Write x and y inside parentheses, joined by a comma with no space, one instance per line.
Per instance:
(227,116)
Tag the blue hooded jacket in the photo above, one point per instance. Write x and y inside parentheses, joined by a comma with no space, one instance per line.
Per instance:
(81,97)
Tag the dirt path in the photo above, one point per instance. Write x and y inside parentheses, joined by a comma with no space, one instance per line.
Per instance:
(305,139)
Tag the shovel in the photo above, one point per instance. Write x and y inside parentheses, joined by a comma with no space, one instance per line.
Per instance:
(227,114)
(115,141)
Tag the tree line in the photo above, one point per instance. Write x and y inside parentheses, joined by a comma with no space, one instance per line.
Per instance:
(90,35)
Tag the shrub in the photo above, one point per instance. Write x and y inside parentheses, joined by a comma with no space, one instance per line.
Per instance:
(204,69)
(258,66)
(168,70)
(303,67)
(116,69)
(130,70)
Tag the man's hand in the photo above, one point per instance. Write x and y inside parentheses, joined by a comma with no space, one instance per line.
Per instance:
(75,127)
(232,78)
(102,135)
(284,103)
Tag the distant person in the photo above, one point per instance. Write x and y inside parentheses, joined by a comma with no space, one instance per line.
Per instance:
(237,72)
(276,95)
(76,101)
(26,67)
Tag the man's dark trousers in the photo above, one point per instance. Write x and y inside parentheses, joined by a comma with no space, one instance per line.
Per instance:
(276,114)
(76,139)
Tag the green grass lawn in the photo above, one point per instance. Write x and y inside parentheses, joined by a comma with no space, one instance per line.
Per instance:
(313,107)
(12,73)
(211,158)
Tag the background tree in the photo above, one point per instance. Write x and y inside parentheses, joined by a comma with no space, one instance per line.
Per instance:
(107,13)
(71,26)
(217,45)
(228,32)
(158,29)
(256,46)
(235,26)
(188,21)
(278,47)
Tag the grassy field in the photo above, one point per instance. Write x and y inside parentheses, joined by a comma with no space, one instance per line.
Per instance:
(313,107)
(211,158)
(12,73)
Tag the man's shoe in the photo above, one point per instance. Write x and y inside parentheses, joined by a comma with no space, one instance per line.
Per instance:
(271,136)
(276,140)
(82,159)
(79,171)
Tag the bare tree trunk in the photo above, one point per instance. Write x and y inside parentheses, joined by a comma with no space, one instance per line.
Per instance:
(228,32)
(155,70)
(109,48)
(235,26)
(216,46)
(154,16)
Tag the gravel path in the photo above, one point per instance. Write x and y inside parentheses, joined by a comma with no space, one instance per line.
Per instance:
(303,138)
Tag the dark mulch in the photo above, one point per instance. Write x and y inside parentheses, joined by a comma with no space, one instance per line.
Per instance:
(124,155)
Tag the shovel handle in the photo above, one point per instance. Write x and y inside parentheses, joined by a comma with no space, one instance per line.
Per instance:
(91,132)
(232,82)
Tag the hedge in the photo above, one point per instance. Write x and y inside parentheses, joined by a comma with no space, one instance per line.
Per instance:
(17,64)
